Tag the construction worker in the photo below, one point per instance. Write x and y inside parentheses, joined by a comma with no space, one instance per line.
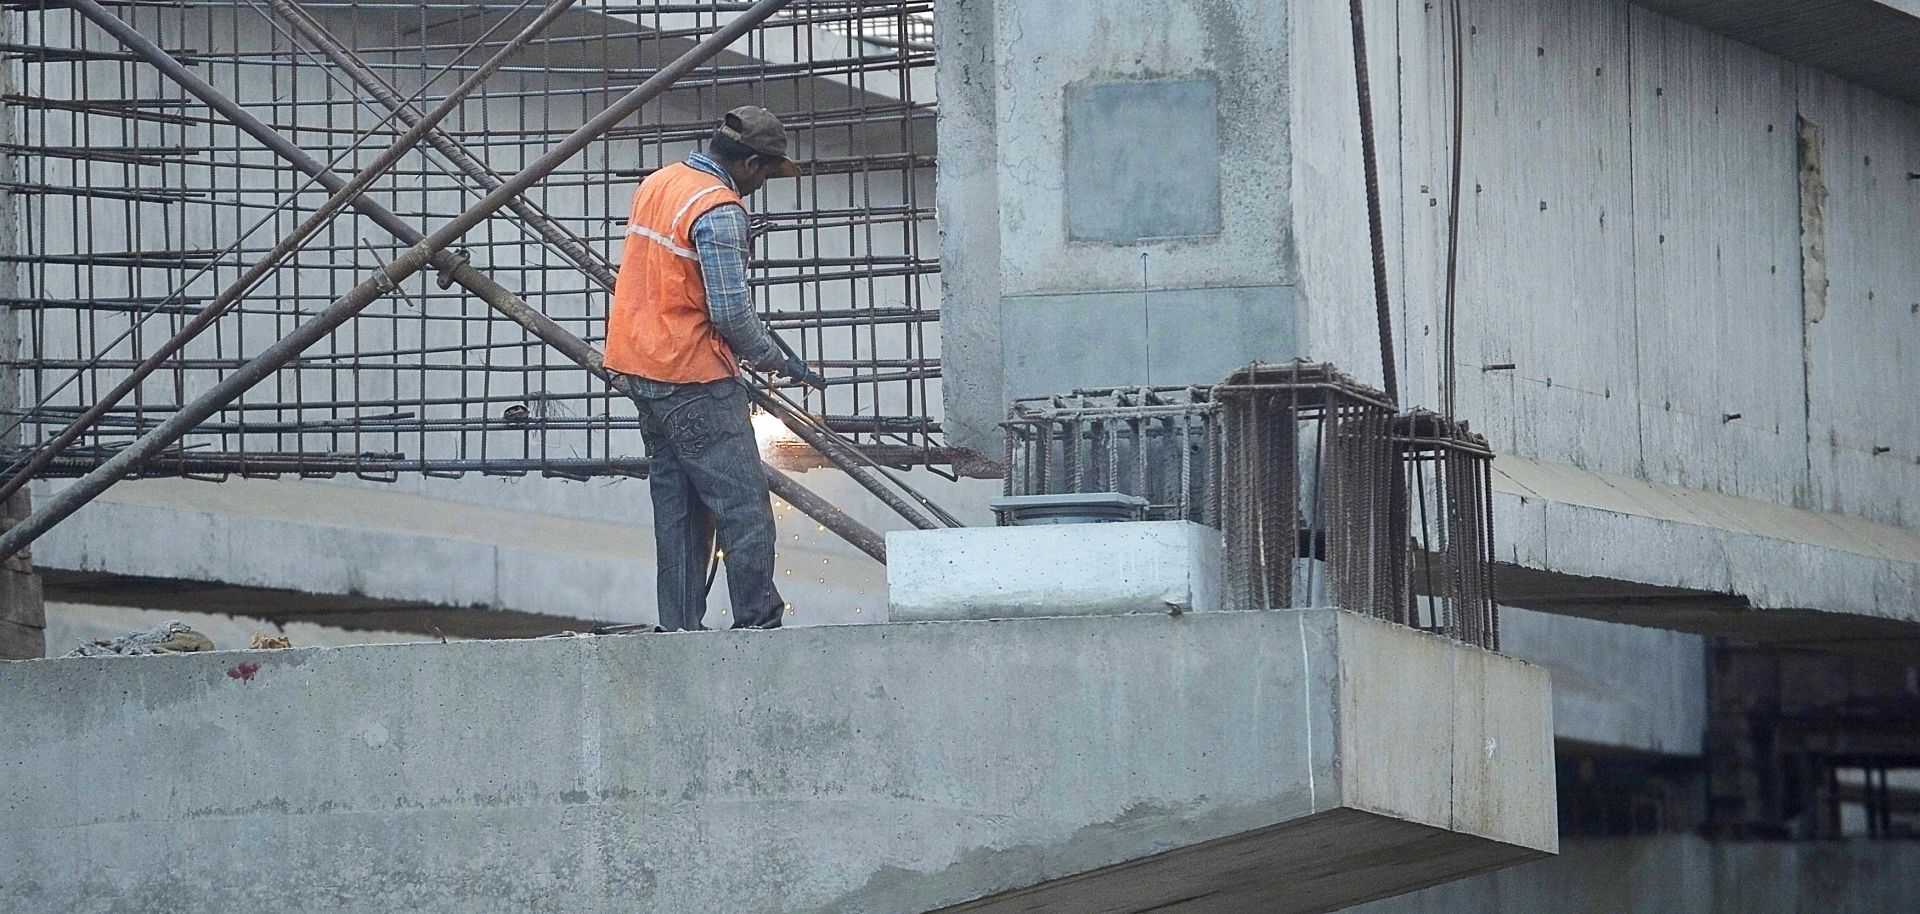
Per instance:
(682,320)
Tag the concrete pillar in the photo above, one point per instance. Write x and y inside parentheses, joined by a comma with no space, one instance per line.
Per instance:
(1114,198)
(23,620)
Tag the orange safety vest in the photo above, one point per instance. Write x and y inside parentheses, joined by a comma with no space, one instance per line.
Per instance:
(658,327)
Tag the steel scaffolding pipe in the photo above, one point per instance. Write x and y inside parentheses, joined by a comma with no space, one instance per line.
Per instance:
(137,204)
(842,455)
(426,251)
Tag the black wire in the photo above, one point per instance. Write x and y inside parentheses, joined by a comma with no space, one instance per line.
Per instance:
(1448,367)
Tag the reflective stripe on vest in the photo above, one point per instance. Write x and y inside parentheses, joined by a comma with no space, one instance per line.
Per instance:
(658,326)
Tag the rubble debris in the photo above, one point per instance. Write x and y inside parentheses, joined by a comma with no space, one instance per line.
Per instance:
(171,638)
(265,642)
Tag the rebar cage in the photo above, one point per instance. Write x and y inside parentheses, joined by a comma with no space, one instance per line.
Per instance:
(1449,479)
(1293,463)
(1322,494)
(1307,493)
(132,204)
(1153,442)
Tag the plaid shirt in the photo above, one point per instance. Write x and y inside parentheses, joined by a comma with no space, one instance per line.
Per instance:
(721,240)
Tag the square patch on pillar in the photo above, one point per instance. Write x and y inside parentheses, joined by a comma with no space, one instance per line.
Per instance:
(1143,160)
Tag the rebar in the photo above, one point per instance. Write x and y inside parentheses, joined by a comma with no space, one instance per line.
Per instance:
(131,201)
(290,345)
(345,193)
(1447,476)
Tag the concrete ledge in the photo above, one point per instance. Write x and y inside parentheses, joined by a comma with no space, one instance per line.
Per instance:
(1053,570)
(883,768)
(1624,550)
(1870,42)
(349,555)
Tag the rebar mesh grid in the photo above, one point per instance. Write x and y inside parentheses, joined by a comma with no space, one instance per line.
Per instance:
(1449,479)
(133,204)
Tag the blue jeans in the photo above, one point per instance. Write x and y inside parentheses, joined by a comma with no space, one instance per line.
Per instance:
(706,475)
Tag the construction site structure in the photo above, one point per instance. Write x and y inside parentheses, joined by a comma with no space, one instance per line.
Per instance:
(1495,408)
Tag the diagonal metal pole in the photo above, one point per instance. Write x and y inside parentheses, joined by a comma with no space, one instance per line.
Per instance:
(314,33)
(841,453)
(426,251)
(342,197)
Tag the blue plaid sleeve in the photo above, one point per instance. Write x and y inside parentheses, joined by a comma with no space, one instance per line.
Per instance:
(721,241)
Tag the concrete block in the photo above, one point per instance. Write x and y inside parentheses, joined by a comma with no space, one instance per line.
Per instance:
(1053,570)
(1620,549)
(1213,764)
(1143,160)
(1056,343)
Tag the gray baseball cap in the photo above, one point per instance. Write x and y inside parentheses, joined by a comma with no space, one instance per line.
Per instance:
(757,129)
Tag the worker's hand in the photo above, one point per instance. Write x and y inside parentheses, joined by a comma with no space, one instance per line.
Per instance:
(798,371)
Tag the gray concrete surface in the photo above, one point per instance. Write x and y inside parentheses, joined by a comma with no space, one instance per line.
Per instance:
(1626,550)
(1112,183)
(475,543)
(1630,226)
(1630,238)
(1684,874)
(1868,41)
(1142,159)
(900,767)
(1053,570)
(69,625)
(1616,686)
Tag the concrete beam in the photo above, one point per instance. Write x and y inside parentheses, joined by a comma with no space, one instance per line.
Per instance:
(1619,549)
(1871,42)
(1282,761)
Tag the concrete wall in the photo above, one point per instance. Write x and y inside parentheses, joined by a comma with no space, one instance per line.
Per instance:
(1621,686)
(891,768)
(1681,312)
(1631,226)
(1683,874)
(1630,231)
(22,615)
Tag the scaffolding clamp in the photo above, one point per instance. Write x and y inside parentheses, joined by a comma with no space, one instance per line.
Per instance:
(460,258)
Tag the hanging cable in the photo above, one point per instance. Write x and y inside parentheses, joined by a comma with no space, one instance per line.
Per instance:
(1448,374)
